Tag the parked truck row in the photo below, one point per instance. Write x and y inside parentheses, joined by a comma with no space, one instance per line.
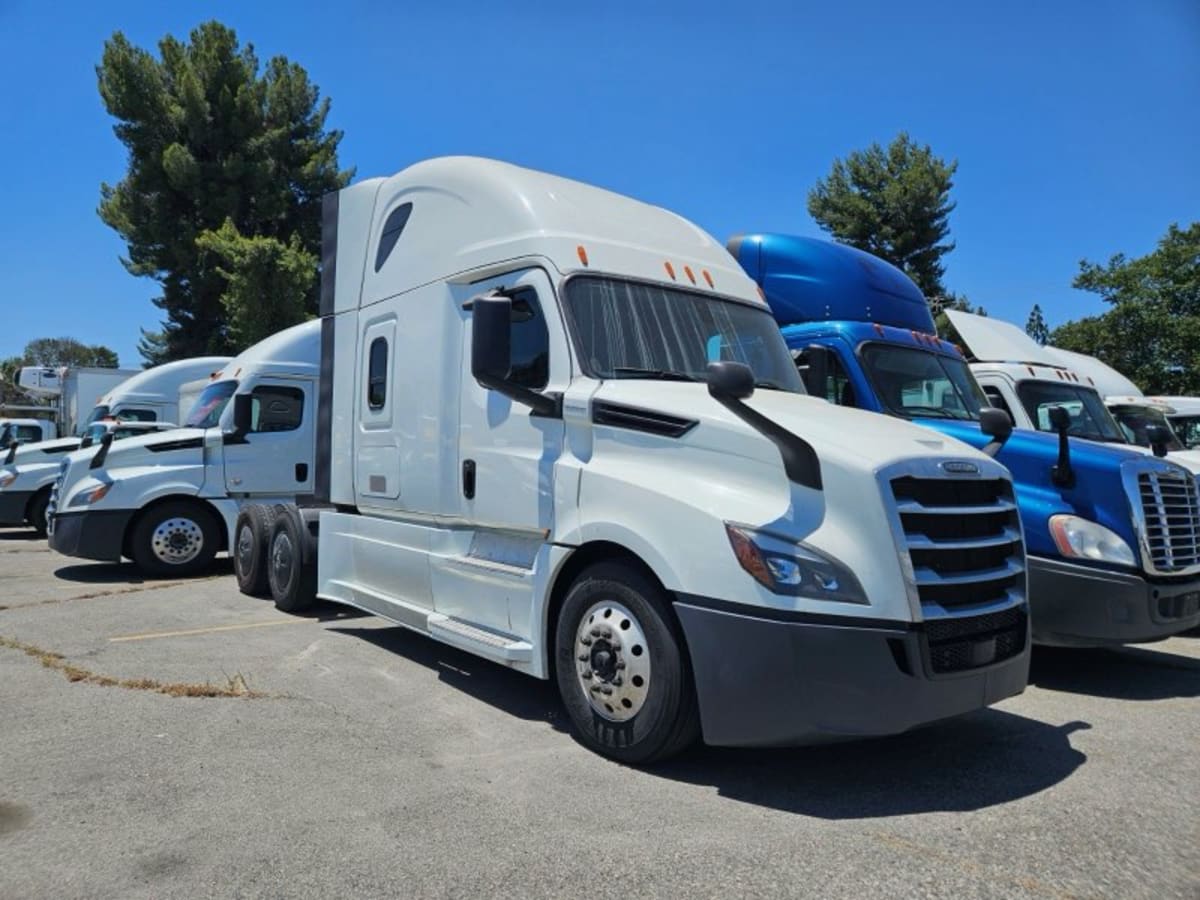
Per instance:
(573,434)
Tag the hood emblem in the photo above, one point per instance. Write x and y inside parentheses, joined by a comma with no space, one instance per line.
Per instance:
(959,467)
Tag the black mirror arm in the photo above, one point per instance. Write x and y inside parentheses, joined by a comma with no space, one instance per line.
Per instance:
(1062,474)
(548,405)
(12,452)
(102,453)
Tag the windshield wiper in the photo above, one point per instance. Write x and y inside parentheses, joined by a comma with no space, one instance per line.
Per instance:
(936,411)
(660,374)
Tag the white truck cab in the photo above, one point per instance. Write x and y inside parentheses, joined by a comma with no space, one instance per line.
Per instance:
(28,471)
(169,502)
(1028,381)
(24,431)
(1184,416)
(559,429)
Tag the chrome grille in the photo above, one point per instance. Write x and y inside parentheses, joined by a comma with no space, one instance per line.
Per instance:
(52,506)
(1170,520)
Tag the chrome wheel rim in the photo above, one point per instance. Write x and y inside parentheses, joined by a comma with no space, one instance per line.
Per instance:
(612,661)
(177,541)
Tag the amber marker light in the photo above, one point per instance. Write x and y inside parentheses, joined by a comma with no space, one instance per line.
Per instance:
(707,277)
(670,269)
(687,270)
(582,254)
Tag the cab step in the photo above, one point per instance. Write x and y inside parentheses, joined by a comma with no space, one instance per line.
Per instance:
(473,639)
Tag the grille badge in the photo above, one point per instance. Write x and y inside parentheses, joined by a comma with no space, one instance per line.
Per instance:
(958,467)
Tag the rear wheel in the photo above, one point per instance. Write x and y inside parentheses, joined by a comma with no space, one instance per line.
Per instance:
(36,514)
(176,538)
(251,537)
(291,565)
(622,667)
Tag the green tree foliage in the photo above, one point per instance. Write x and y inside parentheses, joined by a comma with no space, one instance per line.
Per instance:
(1151,332)
(211,138)
(891,202)
(1036,327)
(53,352)
(267,281)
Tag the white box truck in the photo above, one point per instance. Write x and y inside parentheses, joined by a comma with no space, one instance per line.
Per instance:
(169,502)
(75,391)
(559,429)
(151,396)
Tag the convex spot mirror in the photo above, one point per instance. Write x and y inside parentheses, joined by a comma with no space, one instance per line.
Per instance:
(730,380)
(814,364)
(1060,418)
(1159,438)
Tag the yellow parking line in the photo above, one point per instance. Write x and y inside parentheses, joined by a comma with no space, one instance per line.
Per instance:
(150,635)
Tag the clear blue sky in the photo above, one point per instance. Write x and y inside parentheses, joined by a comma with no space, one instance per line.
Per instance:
(1076,124)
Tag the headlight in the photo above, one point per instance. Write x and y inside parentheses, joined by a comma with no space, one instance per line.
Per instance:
(7,478)
(1083,539)
(83,498)
(792,568)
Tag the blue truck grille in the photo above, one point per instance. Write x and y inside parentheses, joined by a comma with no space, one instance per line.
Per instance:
(1170,506)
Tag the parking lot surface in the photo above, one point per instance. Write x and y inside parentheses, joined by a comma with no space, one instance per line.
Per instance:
(178,739)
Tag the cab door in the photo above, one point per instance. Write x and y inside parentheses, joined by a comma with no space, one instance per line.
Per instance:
(276,456)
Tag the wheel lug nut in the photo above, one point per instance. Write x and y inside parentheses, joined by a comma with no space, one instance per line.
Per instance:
(618,681)
(583,657)
(595,687)
(586,673)
(595,632)
(605,689)
(620,663)
(586,641)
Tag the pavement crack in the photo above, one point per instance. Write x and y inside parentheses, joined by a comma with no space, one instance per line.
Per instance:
(235,685)
(114,592)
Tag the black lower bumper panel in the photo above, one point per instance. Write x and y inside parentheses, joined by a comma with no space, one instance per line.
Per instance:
(1080,606)
(805,680)
(91,534)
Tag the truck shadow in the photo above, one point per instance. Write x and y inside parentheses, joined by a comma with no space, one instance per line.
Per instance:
(1120,673)
(19,534)
(983,759)
(128,573)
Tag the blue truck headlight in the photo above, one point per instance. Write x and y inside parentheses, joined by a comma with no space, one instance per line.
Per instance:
(1083,539)
(793,568)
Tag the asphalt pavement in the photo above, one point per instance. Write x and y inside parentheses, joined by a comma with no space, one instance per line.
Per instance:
(177,739)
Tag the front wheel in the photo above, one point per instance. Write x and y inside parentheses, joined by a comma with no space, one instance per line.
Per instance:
(622,667)
(37,511)
(175,539)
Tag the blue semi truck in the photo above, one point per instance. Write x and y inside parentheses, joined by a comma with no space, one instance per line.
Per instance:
(1113,535)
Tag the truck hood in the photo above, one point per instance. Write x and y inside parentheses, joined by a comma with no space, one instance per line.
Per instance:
(42,451)
(991,340)
(868,440)
(152,446)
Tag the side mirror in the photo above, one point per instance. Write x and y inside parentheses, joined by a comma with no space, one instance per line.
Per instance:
(491,352)
(1159,439)
(996,424)
(243,419)
(730,380)
(814,366)
(1062,474)
(102,453)
(491,355)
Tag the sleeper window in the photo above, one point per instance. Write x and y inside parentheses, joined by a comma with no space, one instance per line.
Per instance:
(276,408)
(377,374)
(529,343)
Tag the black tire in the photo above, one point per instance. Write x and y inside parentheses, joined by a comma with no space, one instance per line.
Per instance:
(175,539)
(251,536)
(667,721)
(35,515)
(291,564)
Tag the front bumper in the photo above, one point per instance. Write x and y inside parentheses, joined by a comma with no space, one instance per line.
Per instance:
(91,534)
(1080,606)
(13,505)
(792,679)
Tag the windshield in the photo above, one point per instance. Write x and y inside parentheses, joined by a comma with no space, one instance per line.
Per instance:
(1090,419)
(206,412)
(628,329)
(1188,430)
(97,413)
(917,383)
(1135,420)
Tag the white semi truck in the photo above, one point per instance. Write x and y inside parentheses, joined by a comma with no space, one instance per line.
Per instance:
(151,396)
(74,392)
(24,431)
(169,502)
(559,429)
(1028,381)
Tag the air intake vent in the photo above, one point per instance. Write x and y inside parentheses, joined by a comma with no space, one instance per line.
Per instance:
(637,419)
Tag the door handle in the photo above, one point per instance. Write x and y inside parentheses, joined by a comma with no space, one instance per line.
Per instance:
(302,471)
(468,478)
